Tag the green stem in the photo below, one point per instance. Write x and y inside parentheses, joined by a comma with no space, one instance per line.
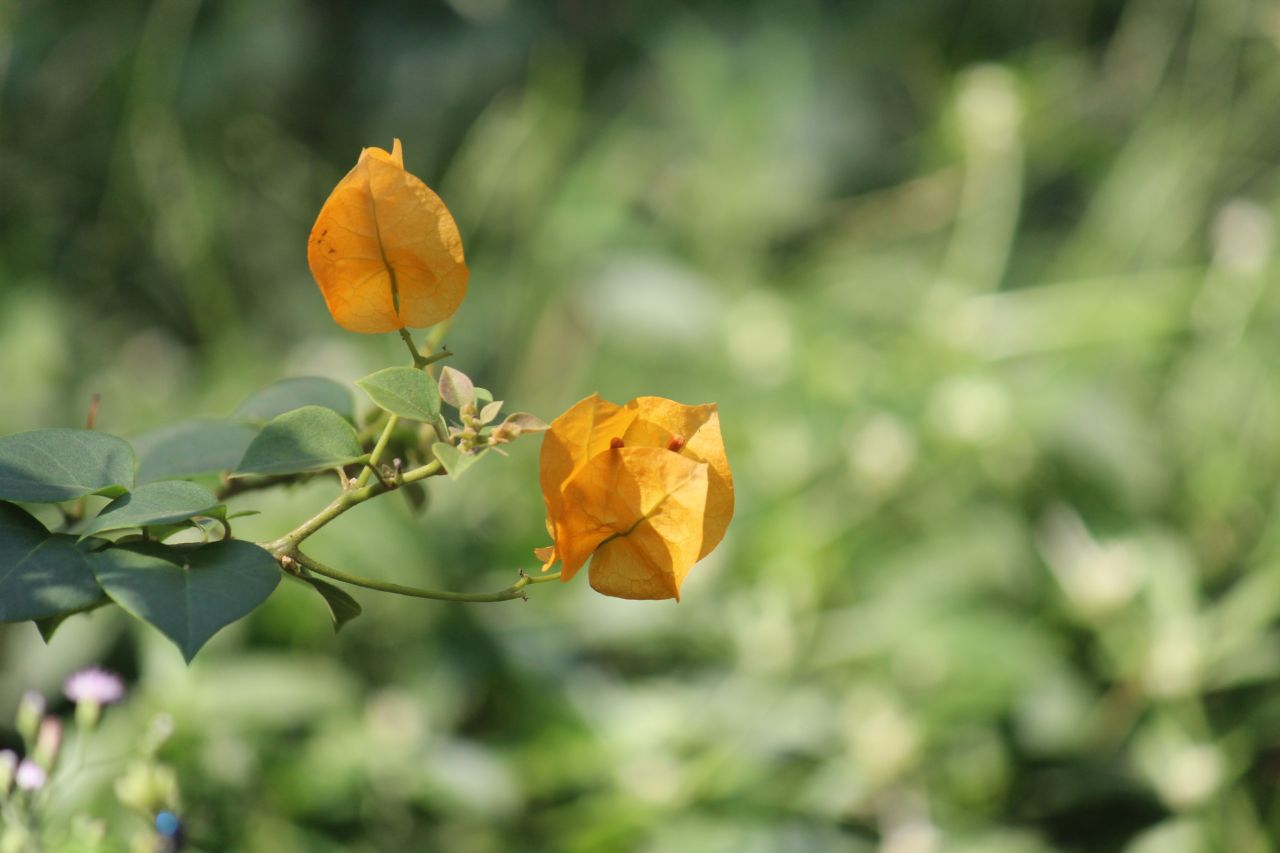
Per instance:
(378,449)
(434,357)
(516,590)
(418,359)
(287,544)
(421,361)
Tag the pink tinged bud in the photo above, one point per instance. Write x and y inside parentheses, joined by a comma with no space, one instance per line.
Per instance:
(48,742)
(94,685)
(526,422)
(456,389)
(30,776)
(616,443)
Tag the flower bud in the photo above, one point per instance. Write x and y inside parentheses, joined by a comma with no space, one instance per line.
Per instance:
(8,767)
(30,710)
(90,689)
(158,733)
(48,742)
(148,787)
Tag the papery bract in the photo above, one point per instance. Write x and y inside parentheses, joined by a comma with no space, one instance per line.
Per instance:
(385,251)
(643,490)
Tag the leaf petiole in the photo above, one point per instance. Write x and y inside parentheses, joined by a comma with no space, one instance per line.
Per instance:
(516,590)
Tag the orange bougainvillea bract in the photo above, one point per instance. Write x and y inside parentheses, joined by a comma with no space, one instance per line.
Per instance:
(385,250)
(643,490)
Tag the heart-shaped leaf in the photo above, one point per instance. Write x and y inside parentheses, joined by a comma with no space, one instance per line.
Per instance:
(342,607)
(454,460)
(50,624)
(188,594)
(160,503)
(403,391)
(42,574)
(191,448)
(289,394)
(306,439)
(52,465)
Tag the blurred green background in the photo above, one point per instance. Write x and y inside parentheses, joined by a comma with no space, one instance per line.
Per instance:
(981,290)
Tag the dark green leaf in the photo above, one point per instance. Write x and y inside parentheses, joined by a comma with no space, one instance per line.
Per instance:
(403,391)
(190,448)
(454,460)
(289,394)
(155,503)
(52,465)
(306,439)
(188,594)
(342,607)
(416,495)
(42,574)
(50,624)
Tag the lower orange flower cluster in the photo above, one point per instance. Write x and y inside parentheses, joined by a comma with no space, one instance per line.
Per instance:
(643,490)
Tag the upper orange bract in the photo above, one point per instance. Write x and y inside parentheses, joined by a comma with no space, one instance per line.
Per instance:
(643,490)
(384,249)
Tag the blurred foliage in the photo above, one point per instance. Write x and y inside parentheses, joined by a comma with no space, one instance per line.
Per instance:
(981,290)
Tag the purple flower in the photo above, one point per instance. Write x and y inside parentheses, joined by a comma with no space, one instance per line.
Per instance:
(94,685)
(31,776)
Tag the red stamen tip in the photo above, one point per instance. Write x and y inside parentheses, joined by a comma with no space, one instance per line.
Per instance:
(615,443)
(676,443)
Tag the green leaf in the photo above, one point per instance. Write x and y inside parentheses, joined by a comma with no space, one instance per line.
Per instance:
(416,496)
(403,391)
(453,459)
(342,607)
(188,594)
(161,503)
(52,465)
(483,395)
(490,411)
(289,394)
(306,439)
(50,624)
(191,448)
(42,574)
